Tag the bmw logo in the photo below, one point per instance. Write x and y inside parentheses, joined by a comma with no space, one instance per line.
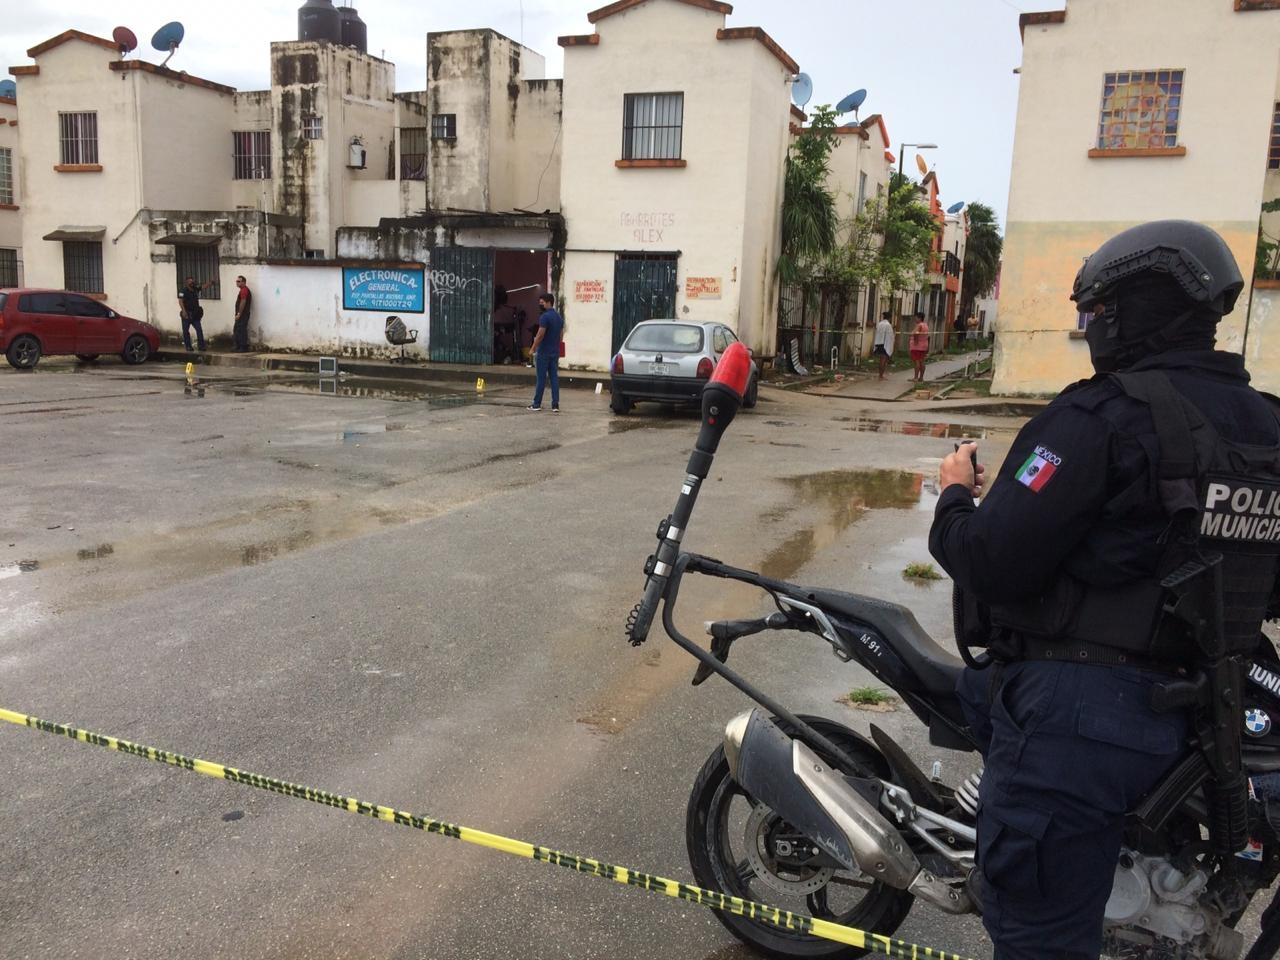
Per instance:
(1257,722)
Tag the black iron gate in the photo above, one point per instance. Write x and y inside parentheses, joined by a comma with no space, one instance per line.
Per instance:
(644,287)
(461,283)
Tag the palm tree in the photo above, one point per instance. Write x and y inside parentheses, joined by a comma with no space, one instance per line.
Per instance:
(808,208)
(981,256)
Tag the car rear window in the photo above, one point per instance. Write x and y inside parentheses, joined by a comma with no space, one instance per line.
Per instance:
(671,337)
(3,298)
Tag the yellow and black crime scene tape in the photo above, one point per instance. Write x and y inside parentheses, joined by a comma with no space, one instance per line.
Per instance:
(761,912)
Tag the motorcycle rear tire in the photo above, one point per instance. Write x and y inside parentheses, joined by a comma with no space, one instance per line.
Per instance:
(881,910)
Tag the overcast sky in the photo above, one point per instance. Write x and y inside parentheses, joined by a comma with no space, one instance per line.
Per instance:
(940,71)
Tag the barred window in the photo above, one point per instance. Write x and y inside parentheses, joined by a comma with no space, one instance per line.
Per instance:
(82,266)
(444,126)
(199,261)
(1273,152)
(78,135)
(6,175)
(1140,109)
(251,150)
(8,267)
(652,126)
(313,128)
(413,153)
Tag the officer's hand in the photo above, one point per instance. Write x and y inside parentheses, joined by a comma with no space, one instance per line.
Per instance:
(959,467)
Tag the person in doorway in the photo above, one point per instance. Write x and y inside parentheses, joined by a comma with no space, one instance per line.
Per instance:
(1101,496)
(882,346)
(546,352)
(919,346)
(191,312)
(240,330)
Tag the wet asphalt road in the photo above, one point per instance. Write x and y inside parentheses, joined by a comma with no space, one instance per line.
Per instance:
(416,598)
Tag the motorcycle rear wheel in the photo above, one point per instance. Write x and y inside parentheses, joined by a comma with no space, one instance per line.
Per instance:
(720,817)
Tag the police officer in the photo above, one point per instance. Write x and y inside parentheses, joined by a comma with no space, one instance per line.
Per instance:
(1067,551)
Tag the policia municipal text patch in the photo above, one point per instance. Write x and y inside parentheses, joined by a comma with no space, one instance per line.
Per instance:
(1244,511)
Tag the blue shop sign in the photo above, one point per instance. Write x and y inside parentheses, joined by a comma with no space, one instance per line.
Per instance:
(386,290)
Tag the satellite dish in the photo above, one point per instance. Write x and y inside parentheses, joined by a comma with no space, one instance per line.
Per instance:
(125,40)
(167,38)
(956,207)
(924,167)
(801,89)
(852,102)
(8,89)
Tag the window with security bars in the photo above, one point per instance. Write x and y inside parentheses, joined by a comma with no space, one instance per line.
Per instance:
(313,128)
(202,263)
(78,137)
(82,266)
(413,153)
(652,126)
(8,267)
(444,126)
(251,153)
(1273,153)
(1140,109)
(6,175)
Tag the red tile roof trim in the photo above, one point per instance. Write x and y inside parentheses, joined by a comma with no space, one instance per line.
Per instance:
(595,16)
(755,33)
(1037,19)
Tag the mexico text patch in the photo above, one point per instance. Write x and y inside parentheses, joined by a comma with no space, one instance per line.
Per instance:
(1038,469)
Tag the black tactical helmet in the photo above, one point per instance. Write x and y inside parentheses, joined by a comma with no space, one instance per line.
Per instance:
(1192,255)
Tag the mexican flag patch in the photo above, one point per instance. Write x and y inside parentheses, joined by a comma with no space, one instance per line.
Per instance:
(1038,469)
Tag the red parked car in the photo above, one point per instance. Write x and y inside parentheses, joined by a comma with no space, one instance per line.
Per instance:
(34,323)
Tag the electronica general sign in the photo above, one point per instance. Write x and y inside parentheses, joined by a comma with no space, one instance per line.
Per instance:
(383,289)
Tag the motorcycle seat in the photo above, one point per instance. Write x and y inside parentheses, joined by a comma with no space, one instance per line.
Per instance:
(938,670)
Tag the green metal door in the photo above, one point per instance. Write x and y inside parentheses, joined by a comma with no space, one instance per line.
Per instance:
(461,282)
(644,287)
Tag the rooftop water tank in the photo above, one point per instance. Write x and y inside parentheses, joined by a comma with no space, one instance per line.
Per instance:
(354,32)
(319,20)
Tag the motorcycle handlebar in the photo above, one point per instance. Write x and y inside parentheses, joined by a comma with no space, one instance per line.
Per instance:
(721,398)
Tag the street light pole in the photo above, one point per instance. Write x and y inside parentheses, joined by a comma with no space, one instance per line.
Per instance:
(902,148)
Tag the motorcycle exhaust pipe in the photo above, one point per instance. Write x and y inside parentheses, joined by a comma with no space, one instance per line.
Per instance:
(788,777)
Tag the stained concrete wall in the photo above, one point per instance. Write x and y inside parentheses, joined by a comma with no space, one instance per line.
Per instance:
(1063,203)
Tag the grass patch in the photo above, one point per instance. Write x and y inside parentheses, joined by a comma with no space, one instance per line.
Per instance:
(873,699)
(921,571)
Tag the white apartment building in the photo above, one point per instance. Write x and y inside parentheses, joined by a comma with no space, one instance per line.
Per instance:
(10,196)
(675,132)
(1129,112)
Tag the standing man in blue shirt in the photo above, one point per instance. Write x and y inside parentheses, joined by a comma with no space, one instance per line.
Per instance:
(546,352)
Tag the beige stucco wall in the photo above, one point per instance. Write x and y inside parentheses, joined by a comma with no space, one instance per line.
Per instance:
(75,77)
(252,111)
(1064,204)
(720,211)
(11,220)
(530,149)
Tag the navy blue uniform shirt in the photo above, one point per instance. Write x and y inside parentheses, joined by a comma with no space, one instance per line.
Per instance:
(1077,493)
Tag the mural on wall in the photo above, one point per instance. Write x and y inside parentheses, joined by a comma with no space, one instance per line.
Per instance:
(383,290)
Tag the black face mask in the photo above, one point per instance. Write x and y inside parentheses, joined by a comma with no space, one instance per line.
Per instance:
(1103,336)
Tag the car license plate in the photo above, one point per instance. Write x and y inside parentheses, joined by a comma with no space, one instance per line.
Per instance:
(659,369)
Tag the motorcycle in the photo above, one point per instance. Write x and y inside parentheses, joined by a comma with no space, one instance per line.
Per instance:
(847,828)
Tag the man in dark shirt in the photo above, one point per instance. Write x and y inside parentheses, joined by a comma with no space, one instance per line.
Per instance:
(546,352)
(1067,550)
(240,330)
(191,312)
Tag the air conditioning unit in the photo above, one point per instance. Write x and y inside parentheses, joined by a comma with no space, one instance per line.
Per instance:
(356,154)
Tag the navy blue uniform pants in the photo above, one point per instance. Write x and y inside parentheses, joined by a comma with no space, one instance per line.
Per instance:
(1069,749)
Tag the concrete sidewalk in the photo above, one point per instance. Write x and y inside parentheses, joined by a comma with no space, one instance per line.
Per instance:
(508,374)
(863,384)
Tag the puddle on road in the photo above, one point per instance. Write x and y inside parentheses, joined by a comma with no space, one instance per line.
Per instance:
(22,566)
(626,424)
(844,495)
(367,388)
(918,428)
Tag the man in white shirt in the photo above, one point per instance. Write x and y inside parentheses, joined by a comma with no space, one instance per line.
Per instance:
(883,344)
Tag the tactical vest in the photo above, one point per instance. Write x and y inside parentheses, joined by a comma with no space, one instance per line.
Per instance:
(1221,496)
